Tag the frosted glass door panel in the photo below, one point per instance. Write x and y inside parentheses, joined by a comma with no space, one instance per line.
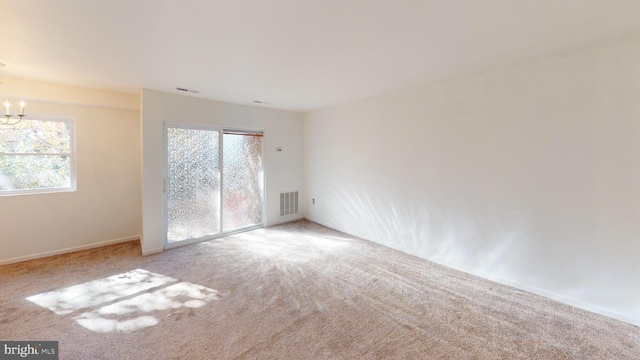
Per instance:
(193,184)
(242,186)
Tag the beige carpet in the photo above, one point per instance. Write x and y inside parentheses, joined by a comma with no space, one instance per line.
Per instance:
(296,291)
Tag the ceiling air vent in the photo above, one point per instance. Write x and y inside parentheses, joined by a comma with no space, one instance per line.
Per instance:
(188,90)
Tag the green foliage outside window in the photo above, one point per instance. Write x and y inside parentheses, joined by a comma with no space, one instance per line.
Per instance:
(35,154)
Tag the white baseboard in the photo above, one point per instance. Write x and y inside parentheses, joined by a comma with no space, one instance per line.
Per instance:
(285,219)
(323,224)
(68,250)
(152,251)
(550,295)
(521,286)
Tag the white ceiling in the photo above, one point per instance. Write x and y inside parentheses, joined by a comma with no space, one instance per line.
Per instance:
(292,54)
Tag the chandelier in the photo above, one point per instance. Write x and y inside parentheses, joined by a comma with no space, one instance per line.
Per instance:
(8,118)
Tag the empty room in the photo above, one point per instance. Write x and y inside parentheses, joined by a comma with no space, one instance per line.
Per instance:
(320,179)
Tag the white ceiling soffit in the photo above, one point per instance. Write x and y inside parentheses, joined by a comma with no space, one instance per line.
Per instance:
(291,54)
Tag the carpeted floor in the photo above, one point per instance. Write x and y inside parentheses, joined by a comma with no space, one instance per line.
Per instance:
(295,291)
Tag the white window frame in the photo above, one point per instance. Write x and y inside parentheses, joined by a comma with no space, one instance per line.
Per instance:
(72,155)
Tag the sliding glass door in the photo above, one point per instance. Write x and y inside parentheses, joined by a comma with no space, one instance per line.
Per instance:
(242,195)
(213,183)
(192,184)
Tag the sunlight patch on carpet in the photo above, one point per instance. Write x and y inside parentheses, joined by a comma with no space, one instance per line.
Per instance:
(126,315)
(291,250)
(96,292)
(125,302)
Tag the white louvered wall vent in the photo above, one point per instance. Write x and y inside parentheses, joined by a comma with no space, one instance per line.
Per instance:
(288,203)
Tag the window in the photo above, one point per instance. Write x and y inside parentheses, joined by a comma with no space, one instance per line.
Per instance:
(36,156)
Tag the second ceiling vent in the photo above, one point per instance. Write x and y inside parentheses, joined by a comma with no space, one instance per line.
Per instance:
(188,90)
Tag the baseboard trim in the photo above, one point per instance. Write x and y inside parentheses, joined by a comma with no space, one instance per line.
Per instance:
(550,295)
(520,286)
(323,224)
(152,251)
(68,250)
(286,220)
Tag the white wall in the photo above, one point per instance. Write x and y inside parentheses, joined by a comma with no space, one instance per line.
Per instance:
(528,174)
(283,170)
(106,206)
